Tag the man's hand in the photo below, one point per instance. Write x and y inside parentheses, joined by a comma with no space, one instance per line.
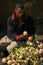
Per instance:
(30,38)
(18,37)
(22,36)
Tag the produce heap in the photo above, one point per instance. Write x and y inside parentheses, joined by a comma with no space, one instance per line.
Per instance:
(31,53)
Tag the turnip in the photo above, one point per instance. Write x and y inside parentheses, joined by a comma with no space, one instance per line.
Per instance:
(14,56)
(41,58)
(25,33)
(9,62)
(12,64)
(41,51)
(4,60)
(8,58)
(18,63)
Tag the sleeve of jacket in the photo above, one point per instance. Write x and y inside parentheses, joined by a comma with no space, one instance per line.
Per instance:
(11,29)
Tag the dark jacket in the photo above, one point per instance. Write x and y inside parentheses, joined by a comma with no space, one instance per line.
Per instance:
(17,27)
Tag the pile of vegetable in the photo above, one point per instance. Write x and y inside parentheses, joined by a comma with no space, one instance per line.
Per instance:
(29,53)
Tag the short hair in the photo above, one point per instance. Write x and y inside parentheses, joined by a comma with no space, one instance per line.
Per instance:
(21,6)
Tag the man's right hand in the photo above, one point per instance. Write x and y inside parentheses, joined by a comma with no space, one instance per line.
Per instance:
(18,37)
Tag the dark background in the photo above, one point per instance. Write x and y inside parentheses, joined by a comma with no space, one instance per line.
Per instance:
(32,7)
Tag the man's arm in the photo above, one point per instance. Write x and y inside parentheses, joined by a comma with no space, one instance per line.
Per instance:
(11,30)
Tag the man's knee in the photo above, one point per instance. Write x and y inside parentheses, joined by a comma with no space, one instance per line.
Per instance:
(12,45)
(4,41)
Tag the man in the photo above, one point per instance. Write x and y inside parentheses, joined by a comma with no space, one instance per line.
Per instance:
(17,24)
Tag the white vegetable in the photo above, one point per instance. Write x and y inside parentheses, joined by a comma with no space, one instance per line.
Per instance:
(41,45)
(8,58)
(21,56)
(18,64)
(36,53)
(41,58)
(37,41)
(26,48)
(30,50)
(4,60)
(41,51)
(13,56)
(9,62)
(37,50)
(12,64)
(25,33)
(27,59)
(13,60)
(31,43)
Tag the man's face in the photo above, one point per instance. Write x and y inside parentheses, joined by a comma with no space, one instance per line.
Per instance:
(19,12)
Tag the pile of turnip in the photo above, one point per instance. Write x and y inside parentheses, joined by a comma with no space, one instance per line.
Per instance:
(31,53)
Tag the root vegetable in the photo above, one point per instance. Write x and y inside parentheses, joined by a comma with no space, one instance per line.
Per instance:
(21,56)
(37,50)
(27,48)
(37,41)
(8,58)
(24,63)
(14,56)
(41,51)
(18,64)
(41,45)
(30,50)
(25,33)
(41,58)
(14,61)
(9,62)
(27,59)
(35,53)
(12,64)
(4,60)
(31,43)
(31,53)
